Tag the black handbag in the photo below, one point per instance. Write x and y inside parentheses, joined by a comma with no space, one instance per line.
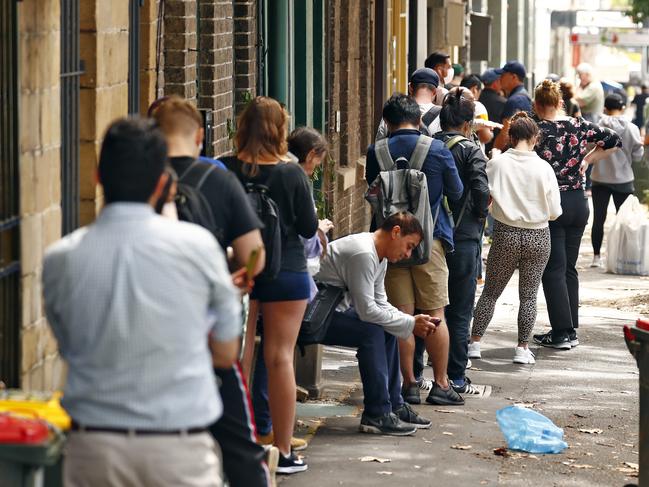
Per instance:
(319,313)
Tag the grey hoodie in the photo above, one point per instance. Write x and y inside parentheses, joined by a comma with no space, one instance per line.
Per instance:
(616,168)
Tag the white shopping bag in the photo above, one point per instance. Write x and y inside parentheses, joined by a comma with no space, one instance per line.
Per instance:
(628,240)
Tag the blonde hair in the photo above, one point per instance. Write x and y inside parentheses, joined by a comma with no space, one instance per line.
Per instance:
(262,129)
(177,116)
(548,94)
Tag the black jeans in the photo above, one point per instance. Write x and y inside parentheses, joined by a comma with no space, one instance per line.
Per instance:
(560,278)
(601,196)
(462,281)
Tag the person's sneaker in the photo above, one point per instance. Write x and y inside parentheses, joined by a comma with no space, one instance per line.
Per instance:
(548,340)
(464,387)
(410,393)
(474,350)
(469,364)
(574,341)
(597,261)
(425,385)
(444,397)
(408,415)
(288,464)
(388,424)
(523,356)
(297,444)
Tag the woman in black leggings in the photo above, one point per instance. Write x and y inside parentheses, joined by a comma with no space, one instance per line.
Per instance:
(564,145)
(613,176)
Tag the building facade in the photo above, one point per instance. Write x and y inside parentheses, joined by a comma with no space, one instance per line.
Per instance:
(70,67)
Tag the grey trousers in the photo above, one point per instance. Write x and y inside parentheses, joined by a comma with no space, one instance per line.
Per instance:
(118,460)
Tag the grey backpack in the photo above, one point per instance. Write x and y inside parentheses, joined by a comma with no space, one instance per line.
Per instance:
(406,189)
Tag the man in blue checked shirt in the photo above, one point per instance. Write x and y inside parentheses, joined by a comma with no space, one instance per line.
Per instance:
(128,299)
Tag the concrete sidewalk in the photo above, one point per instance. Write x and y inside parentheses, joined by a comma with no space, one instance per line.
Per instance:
(591,387)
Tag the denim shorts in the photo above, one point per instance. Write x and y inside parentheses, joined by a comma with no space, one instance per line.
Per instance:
(287,286)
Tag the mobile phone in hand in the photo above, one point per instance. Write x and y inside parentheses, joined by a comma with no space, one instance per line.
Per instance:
(251,264)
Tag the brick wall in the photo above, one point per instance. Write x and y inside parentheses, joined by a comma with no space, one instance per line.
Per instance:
(216,68)
(104,89)
(40,166)
(151,37)
(245,52)
(350,43)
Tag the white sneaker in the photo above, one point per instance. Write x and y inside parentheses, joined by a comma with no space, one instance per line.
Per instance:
(469,364)
(597,261)
(523,356)
(474,350)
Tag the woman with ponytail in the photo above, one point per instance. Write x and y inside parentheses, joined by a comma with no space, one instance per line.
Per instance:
(525,197)
(564,145)
(469,213)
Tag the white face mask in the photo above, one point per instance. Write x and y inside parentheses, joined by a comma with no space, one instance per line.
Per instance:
(200,147)
(449,76)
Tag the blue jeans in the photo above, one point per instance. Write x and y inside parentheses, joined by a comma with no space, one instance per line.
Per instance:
(462,275)
(378,360)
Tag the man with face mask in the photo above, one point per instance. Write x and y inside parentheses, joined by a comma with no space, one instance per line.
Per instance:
(237,226)
(440,62)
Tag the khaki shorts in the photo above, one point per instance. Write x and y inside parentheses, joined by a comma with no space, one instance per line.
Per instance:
(425,285)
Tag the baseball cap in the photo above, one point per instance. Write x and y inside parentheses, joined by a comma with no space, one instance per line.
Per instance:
(514,67)
(614,101)
(425,75)
(489,76)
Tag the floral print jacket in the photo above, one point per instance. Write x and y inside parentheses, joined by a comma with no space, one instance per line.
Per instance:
(564,143)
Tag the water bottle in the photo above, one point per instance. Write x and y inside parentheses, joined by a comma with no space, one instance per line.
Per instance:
(529,431)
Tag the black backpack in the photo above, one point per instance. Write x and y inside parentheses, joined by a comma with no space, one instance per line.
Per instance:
(268,212)
(428,118)
(191,204)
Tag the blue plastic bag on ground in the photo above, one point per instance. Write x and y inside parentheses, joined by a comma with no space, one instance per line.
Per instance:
(529,431)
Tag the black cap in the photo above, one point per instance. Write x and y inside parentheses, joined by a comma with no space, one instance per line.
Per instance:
(425,75)
(614,101)
(515,67)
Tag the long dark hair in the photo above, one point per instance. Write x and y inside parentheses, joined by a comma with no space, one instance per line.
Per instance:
(457,110)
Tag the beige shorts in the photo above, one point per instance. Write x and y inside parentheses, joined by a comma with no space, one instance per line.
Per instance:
(425,285)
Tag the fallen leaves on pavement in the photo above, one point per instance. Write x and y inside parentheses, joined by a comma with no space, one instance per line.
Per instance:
(591,431)
(375,459)
(461,447)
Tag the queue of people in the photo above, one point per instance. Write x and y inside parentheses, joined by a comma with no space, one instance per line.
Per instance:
(147,309)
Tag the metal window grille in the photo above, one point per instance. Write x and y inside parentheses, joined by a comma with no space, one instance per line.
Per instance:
(134,56)
(70,73)
(9,198)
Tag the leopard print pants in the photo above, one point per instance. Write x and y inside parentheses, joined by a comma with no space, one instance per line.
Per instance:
(512,248)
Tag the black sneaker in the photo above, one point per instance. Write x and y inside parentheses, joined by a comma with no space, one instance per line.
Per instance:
(549,340)
(290,464)
(466,388)
(574,341)
(388,424)
(410,393)
(408,415)
(444,397)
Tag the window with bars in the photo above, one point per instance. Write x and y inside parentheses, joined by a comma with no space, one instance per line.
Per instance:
(71,70)
(9,199)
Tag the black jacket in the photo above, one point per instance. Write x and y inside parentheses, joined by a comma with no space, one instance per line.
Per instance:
(472,167)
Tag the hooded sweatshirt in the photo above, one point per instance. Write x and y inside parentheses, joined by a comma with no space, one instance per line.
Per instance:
(524,189)
(616,168)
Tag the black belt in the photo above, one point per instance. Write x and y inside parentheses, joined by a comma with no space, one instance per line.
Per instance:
(135,431)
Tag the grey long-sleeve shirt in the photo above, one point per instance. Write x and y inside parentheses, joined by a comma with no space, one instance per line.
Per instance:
(352,263)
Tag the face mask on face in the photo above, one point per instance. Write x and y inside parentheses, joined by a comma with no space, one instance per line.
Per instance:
(200,147)
(449,76)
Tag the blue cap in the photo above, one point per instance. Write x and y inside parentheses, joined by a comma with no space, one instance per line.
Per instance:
(514,67)
(425,75)
(489,76)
